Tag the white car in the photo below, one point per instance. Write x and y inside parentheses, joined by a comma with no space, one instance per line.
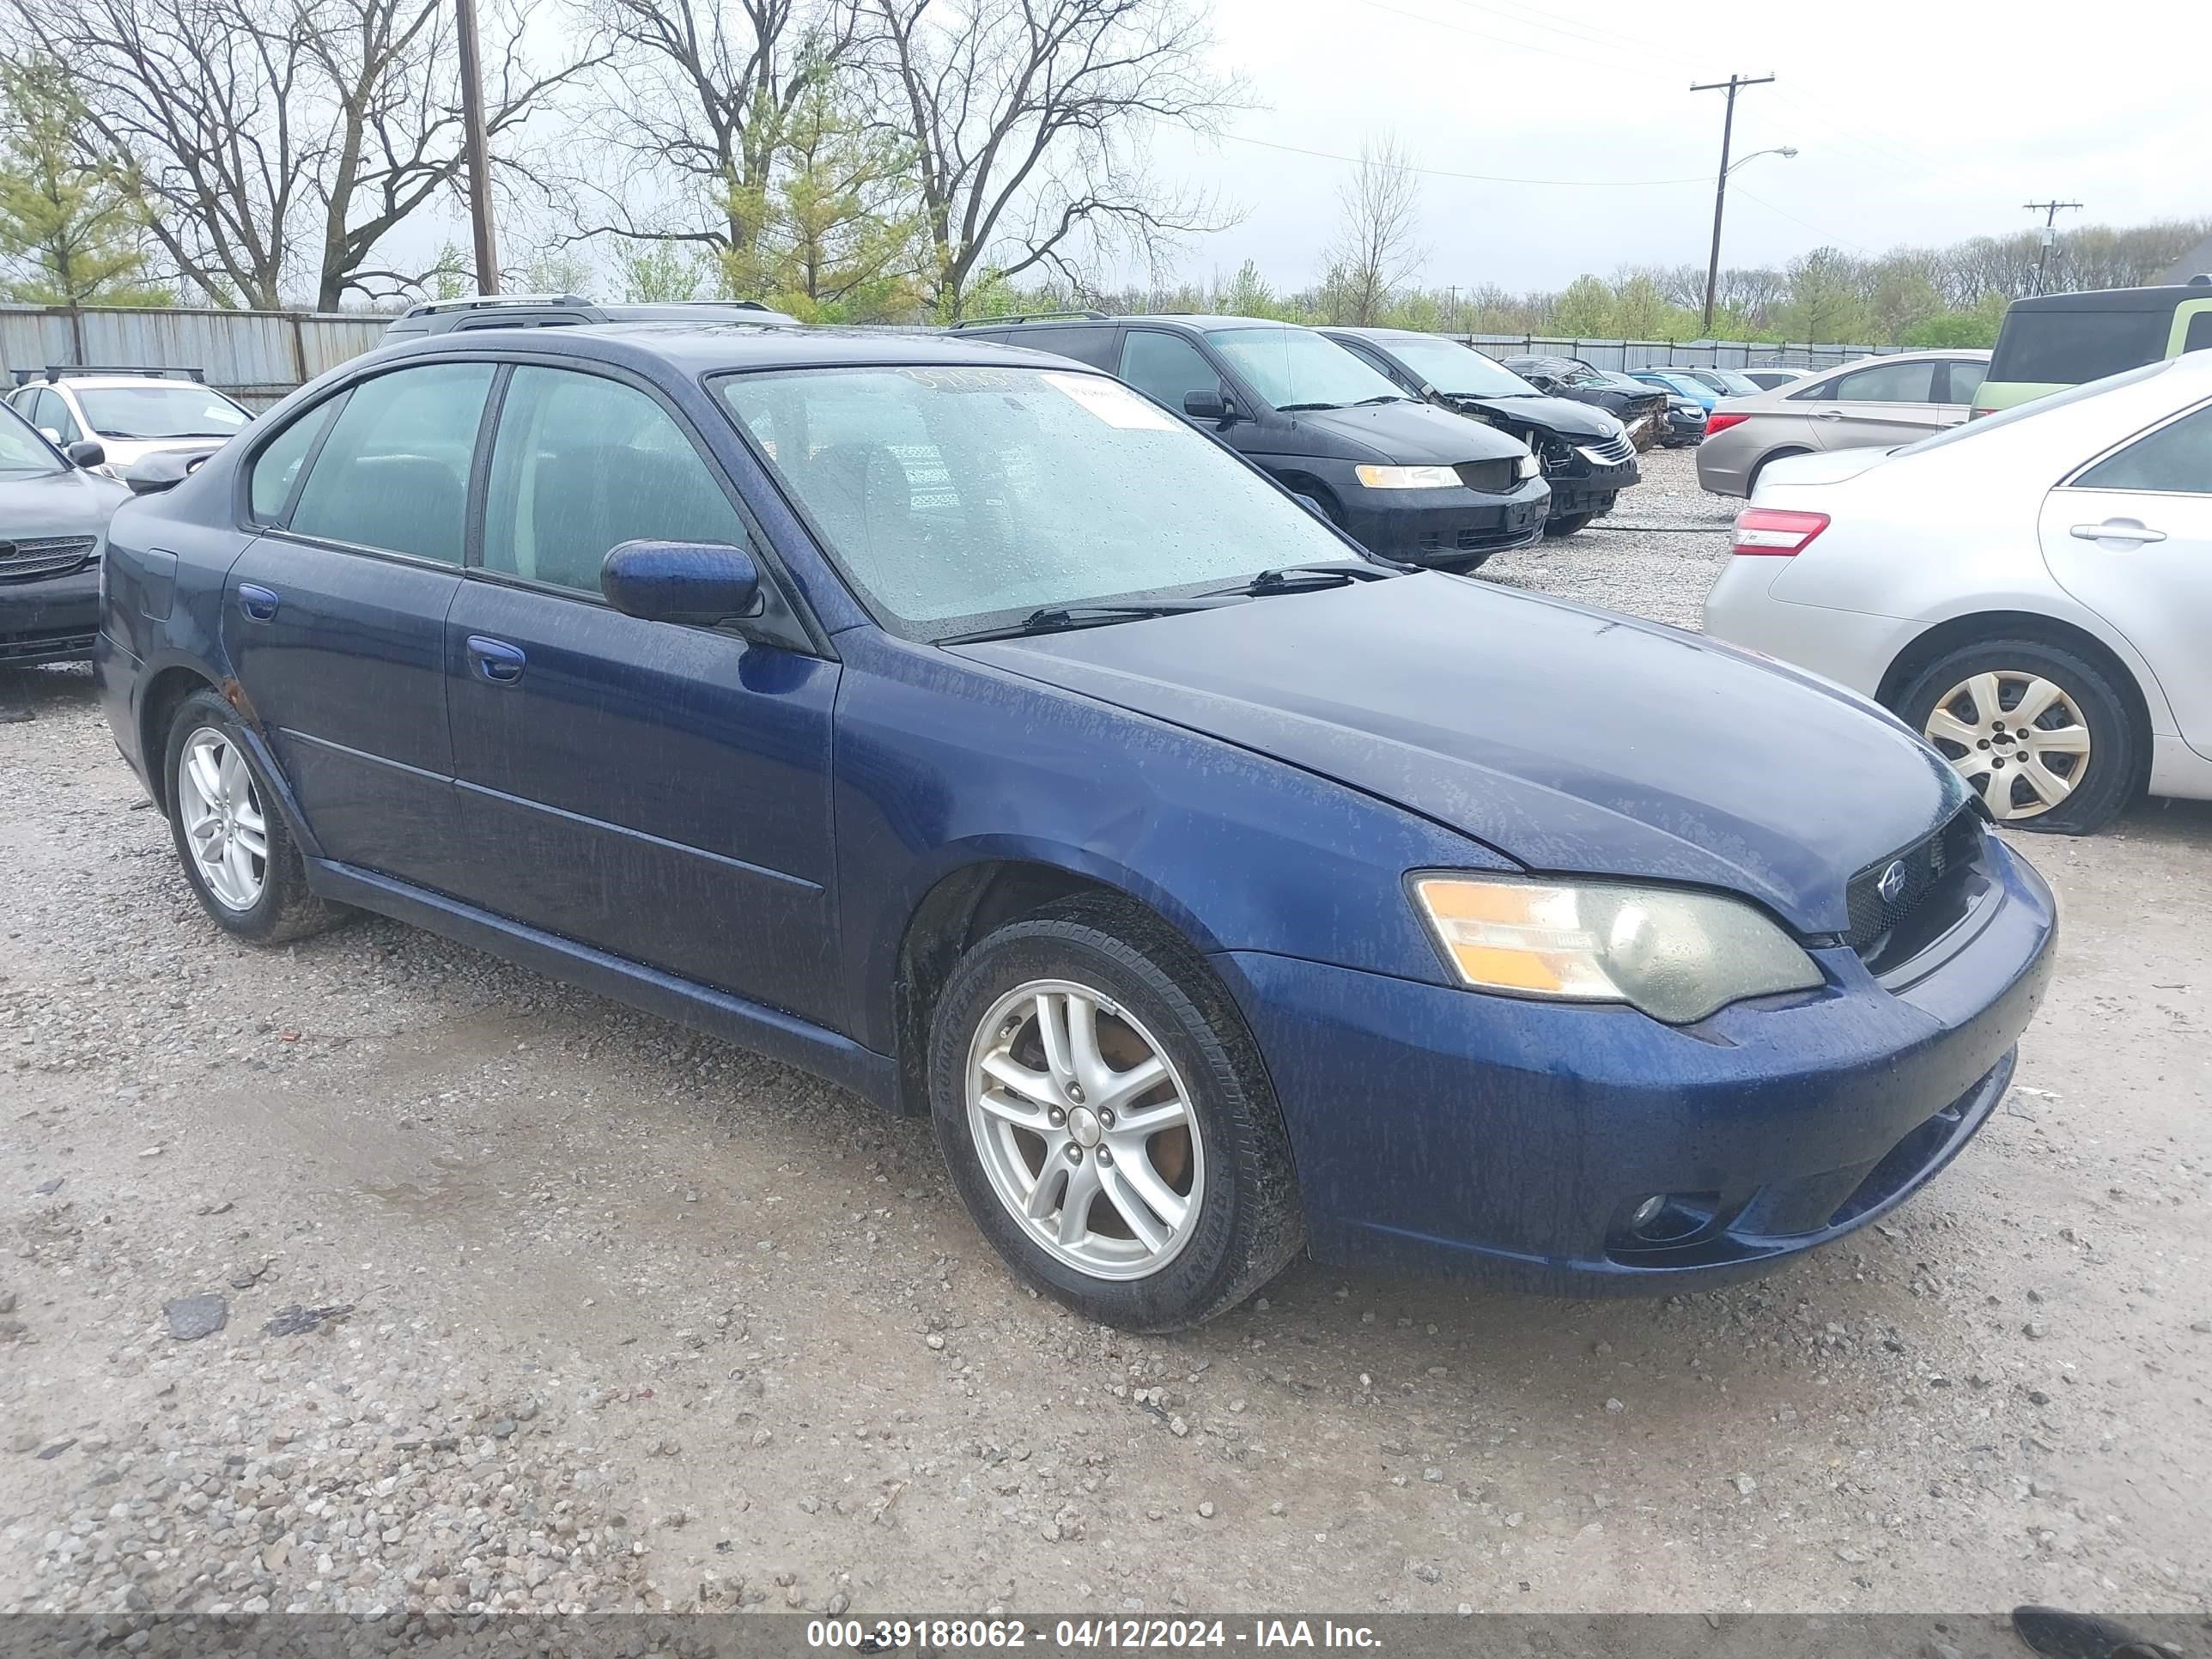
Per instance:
(2033,593)
(129,413)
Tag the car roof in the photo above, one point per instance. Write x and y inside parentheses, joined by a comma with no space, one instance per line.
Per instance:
(695,348)
(108,382)
(2164,297)
(1155,319)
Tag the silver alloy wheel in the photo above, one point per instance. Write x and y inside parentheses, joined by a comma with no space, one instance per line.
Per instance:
(1084,1127)
(221,810)
(2017,738)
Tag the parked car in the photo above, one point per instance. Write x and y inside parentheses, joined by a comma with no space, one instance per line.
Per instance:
(54,508)
(1877,402)
(1404,480)
(1585,452)
(1726,382)
(1641,410)
(955,722)
(568,311)
(2058,340)
(1765,380)
(2031,592)
(1687,402)
(130,412)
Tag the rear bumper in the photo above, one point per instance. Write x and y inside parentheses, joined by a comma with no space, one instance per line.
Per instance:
(1438,1130)
(1444,527)
(117,676)
(49,618)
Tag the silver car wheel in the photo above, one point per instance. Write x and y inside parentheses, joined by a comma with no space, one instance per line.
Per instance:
(1084,1127)
(221,809)
(2017,738)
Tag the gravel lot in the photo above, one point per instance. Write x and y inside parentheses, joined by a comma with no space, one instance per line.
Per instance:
(530,1301)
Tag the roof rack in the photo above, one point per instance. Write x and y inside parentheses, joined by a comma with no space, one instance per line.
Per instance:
(487,302)
(53,372)
(1085,315)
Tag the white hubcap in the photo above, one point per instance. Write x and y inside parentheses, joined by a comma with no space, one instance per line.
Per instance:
(2016,737)
(221,810)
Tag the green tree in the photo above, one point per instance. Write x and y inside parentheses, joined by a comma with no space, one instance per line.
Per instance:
(453,275)
(69,234)
(1584,308)
(844,240)
(657,273)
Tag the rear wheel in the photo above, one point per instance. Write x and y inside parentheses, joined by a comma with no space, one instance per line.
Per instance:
(1108,1121)
(2041,734)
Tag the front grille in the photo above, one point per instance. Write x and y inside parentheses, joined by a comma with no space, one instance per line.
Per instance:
(44,648)
(43,555)
(1492,477)
(1613,451)
(1467,539)
(1926,863)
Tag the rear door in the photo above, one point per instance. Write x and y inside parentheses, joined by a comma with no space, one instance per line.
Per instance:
(2131,536)
(1881,406)
(334,617)
(658,791)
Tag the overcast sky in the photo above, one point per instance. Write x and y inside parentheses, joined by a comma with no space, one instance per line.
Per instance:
(1917,121)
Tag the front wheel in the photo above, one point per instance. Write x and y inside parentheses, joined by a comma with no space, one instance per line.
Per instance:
(1108,1122)
(2043,736)
(1567,524)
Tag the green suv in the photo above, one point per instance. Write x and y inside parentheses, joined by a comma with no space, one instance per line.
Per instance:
(2058,340)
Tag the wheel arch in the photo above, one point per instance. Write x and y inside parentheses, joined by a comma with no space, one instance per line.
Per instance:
(157,711)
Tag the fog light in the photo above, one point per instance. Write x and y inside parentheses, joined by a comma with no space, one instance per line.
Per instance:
(1647,1213)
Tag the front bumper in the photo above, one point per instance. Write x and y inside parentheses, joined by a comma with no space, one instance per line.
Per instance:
(49,618)
(1593,489)
(1684,427)
(1445,528)
(1440,1130)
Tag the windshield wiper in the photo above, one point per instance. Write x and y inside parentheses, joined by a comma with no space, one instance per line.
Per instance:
(1290,409)
(1058,618)
(1381,397)
(1301,578)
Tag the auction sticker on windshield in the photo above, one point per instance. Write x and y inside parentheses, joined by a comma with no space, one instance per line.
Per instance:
(1112,402)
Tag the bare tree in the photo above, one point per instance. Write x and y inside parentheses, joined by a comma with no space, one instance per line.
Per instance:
(1028,117)
(272,141)
(1376,246)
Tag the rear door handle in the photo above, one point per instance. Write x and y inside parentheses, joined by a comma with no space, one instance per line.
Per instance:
(258,602)
(2115,530)
(496,660)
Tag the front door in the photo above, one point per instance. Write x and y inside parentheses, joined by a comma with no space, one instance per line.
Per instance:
(659,791)
(2131,536)
(334,617)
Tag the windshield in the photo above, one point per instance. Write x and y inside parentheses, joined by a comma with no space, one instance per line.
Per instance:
(1728,381)
(959,498)
(1296,368)
(22,450)
(1997,422)
(1457,369)
(159,411)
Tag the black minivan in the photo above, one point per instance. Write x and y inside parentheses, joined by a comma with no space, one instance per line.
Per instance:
(1403,478)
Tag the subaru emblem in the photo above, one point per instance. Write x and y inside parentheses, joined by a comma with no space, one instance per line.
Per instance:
(1891,885)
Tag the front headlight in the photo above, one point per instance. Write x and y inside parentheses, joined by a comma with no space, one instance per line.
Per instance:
(1677,954)
(1529,467)
(1408,477)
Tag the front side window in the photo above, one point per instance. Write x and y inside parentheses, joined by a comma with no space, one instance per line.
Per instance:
(159,411)
(956,498)
(1165,367)
(394,472)
(1294,368)
(1888,383)
(2174,460)
(53,415)
(581,464)
(23,452)
(277,468)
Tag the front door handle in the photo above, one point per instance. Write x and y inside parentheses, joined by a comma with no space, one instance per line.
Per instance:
(2115,530)
(258,602)
(496,660)
(1827,414)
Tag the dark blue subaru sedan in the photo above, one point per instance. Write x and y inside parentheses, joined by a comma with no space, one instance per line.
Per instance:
(963,727)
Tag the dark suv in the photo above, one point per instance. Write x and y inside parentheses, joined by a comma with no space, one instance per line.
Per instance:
(1403,479)
(565,311)
(1586,454)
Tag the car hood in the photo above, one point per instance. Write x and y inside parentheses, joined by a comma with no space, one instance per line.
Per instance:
(1568,739)
(123,450)
(1577,422)
(72,503)
(1412,433)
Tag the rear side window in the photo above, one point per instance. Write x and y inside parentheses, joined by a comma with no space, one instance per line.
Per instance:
(1164,367)
(1094,346)
(1888,383)
(582,464)
(2065,348)
(394,472)
(277,468)
(2174,460)
(2199,336)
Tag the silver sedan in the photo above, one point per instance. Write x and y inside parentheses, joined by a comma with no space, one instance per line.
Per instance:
(1876,403)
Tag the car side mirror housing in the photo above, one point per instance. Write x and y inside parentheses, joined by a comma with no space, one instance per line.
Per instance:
(86,454)
(702,584)
(1208,406)
(164,469)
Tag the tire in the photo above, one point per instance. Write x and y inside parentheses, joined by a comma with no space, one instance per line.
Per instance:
(2086,736)
(1752,483)
(1226,1160)
(1568,524)
(223,802)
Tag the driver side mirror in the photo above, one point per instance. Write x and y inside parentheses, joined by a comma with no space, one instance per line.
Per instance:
(700,584)
(1208,406)
(86,454)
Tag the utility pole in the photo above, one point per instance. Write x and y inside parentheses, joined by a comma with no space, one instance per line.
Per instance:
(2049,211)
(472,140)
(1734,84)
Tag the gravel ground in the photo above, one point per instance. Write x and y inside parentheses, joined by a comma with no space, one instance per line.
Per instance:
(528,1301)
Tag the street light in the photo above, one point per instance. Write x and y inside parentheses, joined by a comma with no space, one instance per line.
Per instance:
(1720,200)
